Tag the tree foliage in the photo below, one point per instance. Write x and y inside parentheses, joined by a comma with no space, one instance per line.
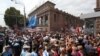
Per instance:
(13,17)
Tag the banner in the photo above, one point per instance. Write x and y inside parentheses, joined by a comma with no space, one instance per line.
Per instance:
(32,22)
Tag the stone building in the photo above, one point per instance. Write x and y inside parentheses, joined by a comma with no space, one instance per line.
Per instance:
(51,19)
(97,21)
(92,20)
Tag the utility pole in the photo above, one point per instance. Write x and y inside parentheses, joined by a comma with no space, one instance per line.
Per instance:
(23,11)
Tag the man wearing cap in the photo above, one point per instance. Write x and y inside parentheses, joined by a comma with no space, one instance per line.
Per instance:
(25,50)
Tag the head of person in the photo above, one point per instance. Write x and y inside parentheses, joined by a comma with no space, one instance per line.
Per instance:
(47,48)
(7,48)
(26,47)
(63,49)
(74,48)
(53,48)
(40,51)
(80,47)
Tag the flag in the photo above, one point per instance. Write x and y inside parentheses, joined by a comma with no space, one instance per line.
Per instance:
(32,22)
(78,29)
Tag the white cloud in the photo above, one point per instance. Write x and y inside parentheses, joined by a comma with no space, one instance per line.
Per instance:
(77,7)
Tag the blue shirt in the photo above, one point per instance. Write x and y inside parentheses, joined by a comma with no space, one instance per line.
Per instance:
(34,54)
(6,54)
(23,53)
(45,53)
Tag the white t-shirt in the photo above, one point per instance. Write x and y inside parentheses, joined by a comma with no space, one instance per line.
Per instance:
(28,54)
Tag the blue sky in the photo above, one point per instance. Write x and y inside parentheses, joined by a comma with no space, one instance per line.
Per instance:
(75,7)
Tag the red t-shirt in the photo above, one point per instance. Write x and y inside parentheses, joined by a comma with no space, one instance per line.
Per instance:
(55,54)
(98,49)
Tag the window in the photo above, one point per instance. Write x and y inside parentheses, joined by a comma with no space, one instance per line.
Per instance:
(37,21)
(66,18)
(46,19)
(41,21)
(55,18)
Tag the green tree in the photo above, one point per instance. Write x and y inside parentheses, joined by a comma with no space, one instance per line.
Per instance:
(13,17)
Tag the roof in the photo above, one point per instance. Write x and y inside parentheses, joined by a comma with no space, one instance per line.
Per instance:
(54,9)
(48,2)
(90,15)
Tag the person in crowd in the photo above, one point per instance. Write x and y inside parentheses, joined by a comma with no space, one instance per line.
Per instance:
(98,50)
(40,50)
(17,45)
(25,50)
(46,51)
(51,43)
(80,50)
(62,51)
(6,51)
(53,51)
(88,48)
(1,42)
(34,52)
(74,51)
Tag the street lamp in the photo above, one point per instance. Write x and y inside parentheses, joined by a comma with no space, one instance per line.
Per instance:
(23,11)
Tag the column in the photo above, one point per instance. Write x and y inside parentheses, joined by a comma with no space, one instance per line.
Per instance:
(39,21)
(98,3)
(43,20)
(49,17)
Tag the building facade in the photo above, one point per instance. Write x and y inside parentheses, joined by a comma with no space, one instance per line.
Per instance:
(51,19)
(92,20)
(97,21)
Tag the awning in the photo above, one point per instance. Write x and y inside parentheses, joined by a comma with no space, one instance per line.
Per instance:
(90,15)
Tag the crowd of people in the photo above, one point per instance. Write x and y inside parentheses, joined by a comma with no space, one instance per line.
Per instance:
(50,44)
